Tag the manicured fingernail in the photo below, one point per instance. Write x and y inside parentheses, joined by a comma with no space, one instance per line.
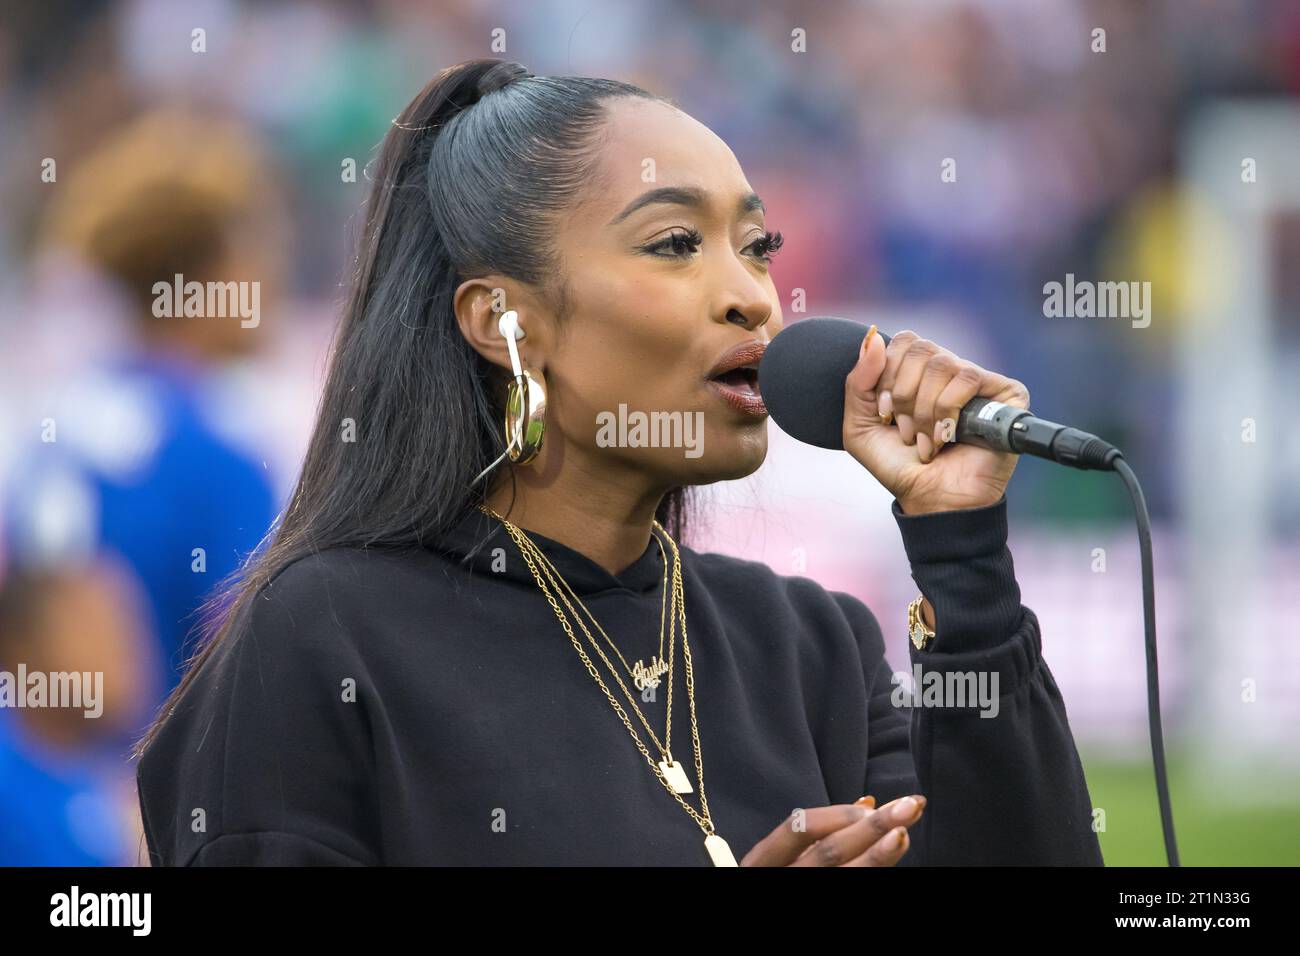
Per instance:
(905,808)
(894,840)
(886,407)
(867,801)
(940,434)
(867,341)
(924,448)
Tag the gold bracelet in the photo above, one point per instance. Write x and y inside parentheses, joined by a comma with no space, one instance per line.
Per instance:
(916,628)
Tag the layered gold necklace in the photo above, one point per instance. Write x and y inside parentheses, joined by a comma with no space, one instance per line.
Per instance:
(670,772)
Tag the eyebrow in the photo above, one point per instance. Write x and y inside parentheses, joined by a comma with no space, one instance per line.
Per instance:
(685,196)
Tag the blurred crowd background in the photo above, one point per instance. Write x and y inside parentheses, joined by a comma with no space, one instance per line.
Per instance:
(141,459)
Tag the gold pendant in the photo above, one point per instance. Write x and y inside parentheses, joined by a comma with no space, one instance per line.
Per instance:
(719,852)
(676,776)
(644,677)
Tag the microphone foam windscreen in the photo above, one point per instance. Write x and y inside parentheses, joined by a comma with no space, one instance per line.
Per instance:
(801,377)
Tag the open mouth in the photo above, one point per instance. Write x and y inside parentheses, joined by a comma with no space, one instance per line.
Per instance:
(736,378)
(743,380)
(739,389)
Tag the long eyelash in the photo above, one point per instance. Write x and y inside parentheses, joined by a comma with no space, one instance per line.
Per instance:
(691,236)
(765,247)
(769,245)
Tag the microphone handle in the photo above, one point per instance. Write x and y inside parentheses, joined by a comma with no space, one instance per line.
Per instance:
(1002,427)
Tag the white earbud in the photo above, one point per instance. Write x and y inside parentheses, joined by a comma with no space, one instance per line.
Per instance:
(508,326)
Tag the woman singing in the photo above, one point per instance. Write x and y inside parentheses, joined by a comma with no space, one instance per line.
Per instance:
(475,637)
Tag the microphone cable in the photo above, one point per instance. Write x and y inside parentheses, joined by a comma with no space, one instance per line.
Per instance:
(1153,678)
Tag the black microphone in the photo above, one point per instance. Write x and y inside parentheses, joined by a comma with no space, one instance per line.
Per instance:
(801,378)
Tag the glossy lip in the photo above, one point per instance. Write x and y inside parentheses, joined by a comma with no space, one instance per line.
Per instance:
(746,353)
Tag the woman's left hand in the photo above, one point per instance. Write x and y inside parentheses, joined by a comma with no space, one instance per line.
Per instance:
(900,420)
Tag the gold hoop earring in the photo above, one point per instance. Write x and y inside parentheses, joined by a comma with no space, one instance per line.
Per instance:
(525,418)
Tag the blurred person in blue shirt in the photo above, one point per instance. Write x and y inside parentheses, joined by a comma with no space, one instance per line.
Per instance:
(139,496)
(137,460)
(148,438)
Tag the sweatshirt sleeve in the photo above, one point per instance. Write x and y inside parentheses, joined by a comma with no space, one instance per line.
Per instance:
(990,742)
(265,758)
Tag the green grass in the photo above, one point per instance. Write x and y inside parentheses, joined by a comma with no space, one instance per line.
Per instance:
(1257,824)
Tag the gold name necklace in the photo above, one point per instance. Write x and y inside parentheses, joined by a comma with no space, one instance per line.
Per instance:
(671,768)
(717,848)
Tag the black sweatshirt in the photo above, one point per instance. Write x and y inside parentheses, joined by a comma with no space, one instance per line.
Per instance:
(403,707)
